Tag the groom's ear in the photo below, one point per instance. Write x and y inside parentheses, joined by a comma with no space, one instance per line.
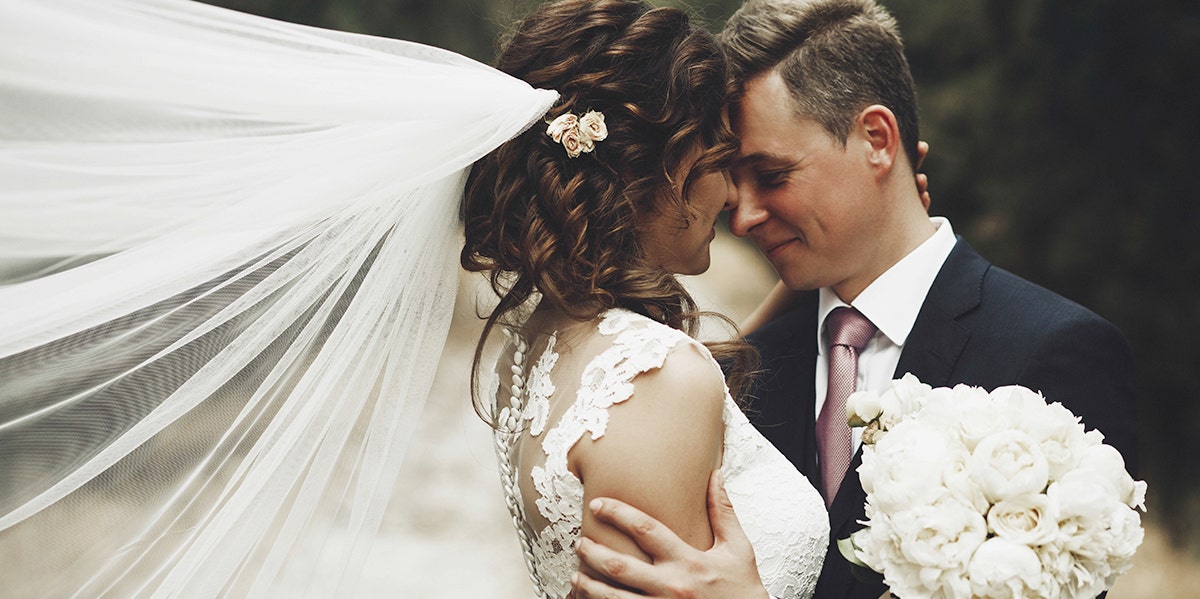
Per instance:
(881,133)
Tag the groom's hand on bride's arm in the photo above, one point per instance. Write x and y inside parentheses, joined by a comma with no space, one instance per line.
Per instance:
(727,570)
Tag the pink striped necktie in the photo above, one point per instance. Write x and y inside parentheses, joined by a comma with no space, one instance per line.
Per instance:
(849,332)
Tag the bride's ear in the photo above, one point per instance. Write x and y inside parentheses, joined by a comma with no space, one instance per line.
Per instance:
(881,137)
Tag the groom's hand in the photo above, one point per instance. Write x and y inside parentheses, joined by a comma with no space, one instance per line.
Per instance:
(727,570)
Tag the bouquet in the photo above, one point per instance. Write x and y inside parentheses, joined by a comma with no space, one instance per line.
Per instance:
(978,494)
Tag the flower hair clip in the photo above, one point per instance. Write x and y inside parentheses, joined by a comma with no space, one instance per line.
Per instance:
(578,134)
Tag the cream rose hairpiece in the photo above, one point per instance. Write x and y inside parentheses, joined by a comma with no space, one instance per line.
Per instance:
(578,134)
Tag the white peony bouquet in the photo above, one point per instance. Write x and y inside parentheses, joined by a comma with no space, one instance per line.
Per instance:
(979,495)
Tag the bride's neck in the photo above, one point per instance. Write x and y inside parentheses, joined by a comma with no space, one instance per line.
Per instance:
(547,319)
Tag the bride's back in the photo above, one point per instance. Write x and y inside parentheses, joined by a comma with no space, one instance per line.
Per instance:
(577,404)
(557,388)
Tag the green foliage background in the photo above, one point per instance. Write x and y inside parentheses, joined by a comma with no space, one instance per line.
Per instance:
(1060,133)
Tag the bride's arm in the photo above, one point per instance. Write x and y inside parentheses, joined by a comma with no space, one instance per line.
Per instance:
(779,300)
(657,451)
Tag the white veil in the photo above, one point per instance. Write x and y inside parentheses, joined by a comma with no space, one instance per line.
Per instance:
(228,255)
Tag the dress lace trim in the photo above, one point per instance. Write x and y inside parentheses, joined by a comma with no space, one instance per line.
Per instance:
(782,514)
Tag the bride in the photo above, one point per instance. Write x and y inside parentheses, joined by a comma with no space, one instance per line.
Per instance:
(601,391)
(226,273)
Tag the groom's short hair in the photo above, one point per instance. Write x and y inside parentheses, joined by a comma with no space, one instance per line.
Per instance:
(836,58)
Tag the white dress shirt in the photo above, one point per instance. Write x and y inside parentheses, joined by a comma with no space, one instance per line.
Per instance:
(891,302)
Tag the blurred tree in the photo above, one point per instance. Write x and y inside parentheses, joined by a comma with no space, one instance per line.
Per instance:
(1058,130)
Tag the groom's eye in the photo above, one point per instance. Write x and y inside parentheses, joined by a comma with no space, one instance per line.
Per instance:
(772,178)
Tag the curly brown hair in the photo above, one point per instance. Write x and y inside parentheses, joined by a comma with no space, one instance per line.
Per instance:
(539,221)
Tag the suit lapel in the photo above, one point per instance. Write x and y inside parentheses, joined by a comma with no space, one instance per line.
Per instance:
(938,338)
(930,352)
(783,410)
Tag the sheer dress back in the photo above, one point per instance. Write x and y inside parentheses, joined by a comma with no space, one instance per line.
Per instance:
(565,393)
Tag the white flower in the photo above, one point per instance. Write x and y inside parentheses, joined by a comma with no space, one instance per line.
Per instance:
(578,135)
(956,475)
(565,122)
(1125,528)
(1104,465)
(905,467)
(573,142)
(977,494)
(932,546)
(1008,464)
(966,411)
(905,396)
(1025,519)
(592,125)
(1065,575)
(1002,568)
(862,407)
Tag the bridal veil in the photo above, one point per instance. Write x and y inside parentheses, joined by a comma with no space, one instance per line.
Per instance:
(228,255)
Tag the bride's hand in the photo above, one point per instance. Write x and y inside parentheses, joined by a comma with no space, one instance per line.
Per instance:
(922,178)
(727,570)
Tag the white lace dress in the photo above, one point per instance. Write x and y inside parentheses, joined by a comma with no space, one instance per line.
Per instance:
(782,514)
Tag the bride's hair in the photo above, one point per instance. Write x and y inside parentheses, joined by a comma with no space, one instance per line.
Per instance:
(539,221)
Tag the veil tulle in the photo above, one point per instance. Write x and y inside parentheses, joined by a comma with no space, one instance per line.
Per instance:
(227,265)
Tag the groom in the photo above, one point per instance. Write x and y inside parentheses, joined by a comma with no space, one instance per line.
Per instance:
(827,120)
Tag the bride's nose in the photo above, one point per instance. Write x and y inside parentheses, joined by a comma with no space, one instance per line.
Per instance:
(731,196)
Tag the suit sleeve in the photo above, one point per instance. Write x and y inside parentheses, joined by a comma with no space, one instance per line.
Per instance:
(1086,364)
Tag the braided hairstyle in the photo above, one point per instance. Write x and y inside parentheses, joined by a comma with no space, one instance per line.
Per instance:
(539,221)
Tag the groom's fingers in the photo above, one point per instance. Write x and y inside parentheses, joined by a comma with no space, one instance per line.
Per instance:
(651,535)
(620,568)
(585,587)
(725,525)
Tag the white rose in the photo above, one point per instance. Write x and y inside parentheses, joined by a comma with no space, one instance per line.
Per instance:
(956,475)
(1062,439)
(1104,465)
(1019,404)
(1125,528)
(585,143)
(560,125)
(966,411)
(1002,568)
(572,142)
(878,547)
(903,398)
(1025,519)
(911,391)
(1065,575)
(937,542)
(593,127)
(1099,533)
(905,469)
(1008,464)
(862,407)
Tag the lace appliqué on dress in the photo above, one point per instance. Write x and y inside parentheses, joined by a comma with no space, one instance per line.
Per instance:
(783,515)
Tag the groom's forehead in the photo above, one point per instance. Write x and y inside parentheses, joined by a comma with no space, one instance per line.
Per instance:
(761,158)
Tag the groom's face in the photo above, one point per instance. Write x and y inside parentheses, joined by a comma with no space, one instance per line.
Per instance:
(806,200)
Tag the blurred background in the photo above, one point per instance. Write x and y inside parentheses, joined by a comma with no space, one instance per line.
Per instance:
(1060,132)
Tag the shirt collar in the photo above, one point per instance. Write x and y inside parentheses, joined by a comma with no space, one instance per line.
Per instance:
(892,301)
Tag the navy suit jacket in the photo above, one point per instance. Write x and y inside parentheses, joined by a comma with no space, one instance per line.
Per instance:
(979,325)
